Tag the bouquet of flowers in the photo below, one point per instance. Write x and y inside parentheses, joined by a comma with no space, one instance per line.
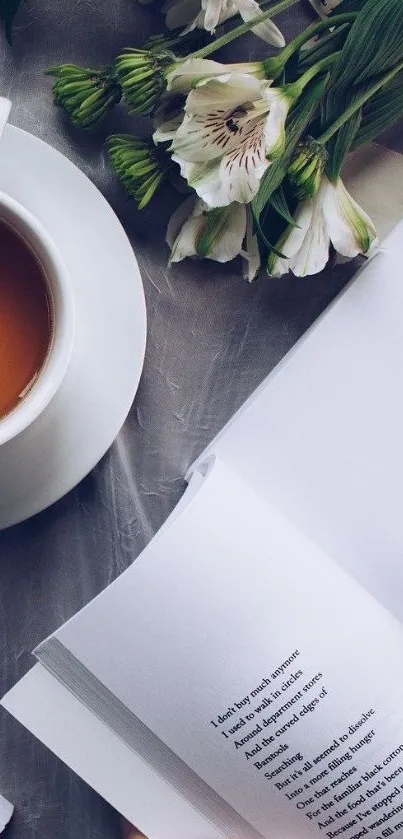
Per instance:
(259,145)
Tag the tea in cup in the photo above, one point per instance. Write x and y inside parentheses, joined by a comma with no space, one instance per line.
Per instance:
(36,318)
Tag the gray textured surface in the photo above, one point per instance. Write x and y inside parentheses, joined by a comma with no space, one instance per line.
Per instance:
(212,338)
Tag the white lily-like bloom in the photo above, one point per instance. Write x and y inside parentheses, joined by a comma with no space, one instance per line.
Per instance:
(332,216)
(208,14)
(232,128)
(229,235)
(189,73)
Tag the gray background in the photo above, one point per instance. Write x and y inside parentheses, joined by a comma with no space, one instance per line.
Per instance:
(211,339)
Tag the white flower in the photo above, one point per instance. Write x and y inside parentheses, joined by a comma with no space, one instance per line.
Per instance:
(221,234)
(233,127)
(332,216)
(208,14)
(187,74)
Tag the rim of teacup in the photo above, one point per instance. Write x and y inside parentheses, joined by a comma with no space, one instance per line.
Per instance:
(54,368)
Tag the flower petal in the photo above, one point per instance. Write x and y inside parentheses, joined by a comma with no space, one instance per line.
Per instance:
(167,119)
(212,11)
(235,177)
(178,217)
(183,229)
(226,91)
(205,180)
(350,228)
(223,230)
(188,74)
(267,31)
(228,10)
(166,131)
(185,243)
(198,23)
(274,130)
(291,241)
(230,233)
(242,171)
(199,140)
(183,76)
(251,254)
(313,254)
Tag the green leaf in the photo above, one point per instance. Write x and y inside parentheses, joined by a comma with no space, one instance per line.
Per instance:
(8,11)
(373,45)
(381,112)
(271,180)
(340,145)
(349,6)
(265,244)
(279,203)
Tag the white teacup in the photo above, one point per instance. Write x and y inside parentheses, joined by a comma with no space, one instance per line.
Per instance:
(61,301)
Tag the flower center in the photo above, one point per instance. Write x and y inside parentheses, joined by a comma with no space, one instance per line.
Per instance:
(243,118)
(231,121)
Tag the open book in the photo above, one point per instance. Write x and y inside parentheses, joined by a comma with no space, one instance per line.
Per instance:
(244,678)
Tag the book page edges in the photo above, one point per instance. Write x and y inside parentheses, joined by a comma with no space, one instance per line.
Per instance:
(102,760)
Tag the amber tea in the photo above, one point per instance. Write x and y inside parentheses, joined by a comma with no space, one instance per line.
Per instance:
(25,319)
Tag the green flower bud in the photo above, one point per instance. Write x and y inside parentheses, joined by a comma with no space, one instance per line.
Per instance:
(306,169)
(139,165)
(85,94)
(141,74)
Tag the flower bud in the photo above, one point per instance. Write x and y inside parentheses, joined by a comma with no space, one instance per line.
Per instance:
(141,74)
(85,94)
(139,165)
(306,169)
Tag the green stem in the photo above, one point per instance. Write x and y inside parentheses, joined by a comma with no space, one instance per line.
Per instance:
(242,29)
(274,66)
(296,88)
(357,104)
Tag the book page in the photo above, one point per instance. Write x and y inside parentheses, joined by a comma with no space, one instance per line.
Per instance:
(237,648)
(322,437)
(102,759)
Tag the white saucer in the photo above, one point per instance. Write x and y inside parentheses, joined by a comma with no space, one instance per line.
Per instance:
(81,422)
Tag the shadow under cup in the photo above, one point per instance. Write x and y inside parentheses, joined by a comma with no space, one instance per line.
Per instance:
(36,319)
